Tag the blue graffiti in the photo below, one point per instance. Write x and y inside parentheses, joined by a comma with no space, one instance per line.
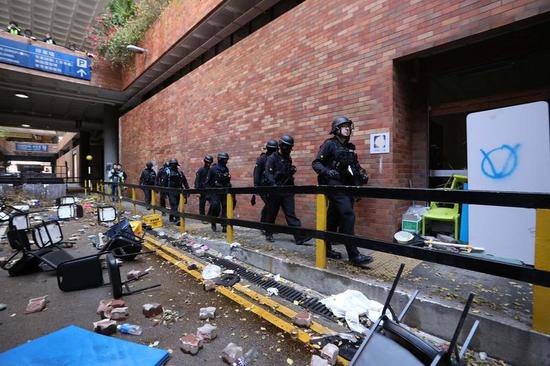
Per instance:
(500,162)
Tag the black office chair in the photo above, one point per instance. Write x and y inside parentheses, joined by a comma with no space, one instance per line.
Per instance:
(121,288)
(29,259)
(388,343)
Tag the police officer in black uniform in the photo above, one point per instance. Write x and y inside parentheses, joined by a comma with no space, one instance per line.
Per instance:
(337,164)
(161,182)
(279,171)
(200,181)
(218,176)
(148,178)
(174,179)
(260,180)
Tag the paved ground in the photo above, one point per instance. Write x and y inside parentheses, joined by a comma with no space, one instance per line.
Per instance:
(179,292)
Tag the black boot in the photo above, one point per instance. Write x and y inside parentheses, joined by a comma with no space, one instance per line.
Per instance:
(303,240)
(213,225)
(224,229)
(269,238)
(333,254)
(361,260)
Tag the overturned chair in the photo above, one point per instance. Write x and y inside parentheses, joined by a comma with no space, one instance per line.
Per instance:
(388,343)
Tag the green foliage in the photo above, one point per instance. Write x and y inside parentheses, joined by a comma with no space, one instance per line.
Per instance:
(124,24)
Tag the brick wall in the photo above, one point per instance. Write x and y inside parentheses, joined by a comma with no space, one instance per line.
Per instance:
(293,75)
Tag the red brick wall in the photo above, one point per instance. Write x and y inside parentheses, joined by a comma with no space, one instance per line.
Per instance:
(175,21)
(292,76)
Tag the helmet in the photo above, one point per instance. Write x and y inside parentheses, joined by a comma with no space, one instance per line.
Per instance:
(223,155)
(272,144)
(339,121)
(173,161)
(208,159)
(149,164)
(286,140)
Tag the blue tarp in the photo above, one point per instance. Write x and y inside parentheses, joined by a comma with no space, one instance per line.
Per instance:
(79,347)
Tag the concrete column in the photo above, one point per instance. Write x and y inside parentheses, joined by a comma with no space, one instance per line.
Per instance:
(110,138)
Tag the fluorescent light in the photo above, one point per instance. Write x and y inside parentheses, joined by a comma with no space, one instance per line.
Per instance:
(25,125)
(135,49)
(21,95)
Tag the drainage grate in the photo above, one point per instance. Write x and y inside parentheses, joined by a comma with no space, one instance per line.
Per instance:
(286,292)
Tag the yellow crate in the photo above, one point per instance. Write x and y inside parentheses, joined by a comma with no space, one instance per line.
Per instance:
(153,220)
(137,228)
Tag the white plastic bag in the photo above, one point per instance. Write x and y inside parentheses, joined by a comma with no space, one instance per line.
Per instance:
(211,271)
(350,304)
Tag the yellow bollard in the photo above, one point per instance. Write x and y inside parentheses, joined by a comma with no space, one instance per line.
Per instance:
(153,200)
(85,187)
(119,198)
(134,210)
(182,210)
(541,295)
(321,245)
(229,216)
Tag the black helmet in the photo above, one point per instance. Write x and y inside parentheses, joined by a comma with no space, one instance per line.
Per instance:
(223,155)
(173,161)
(286,140)
(339,121)
(208,159)
(149,164)
(272,144)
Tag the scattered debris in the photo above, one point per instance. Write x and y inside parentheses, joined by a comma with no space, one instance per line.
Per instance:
(209,285)
(231,353)
(207,332)
(105,327)
(107,305)
(130,329)
(3,307)
(302,319)
(330,353)
(190,343)
(318,361)
(273,291)
(119,313)
(151,310)
(36,304)
(207,313)
(133,274)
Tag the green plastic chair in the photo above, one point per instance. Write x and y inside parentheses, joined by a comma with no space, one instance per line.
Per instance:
(438,212)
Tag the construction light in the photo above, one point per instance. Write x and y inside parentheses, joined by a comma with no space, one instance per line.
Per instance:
(21,95)
(135,49)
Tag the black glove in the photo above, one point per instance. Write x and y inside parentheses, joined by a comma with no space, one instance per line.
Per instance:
(333,174)
(292,169)
(253,200)
(364,176)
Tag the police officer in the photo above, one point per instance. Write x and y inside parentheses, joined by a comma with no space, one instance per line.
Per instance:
(161,182)
(148,178)
(259,178)
(116,175)
(174,179)
(279,171)
(337,164)
(200,181)
(218,176)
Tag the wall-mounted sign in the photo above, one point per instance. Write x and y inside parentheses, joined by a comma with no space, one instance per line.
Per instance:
(43,59)
(380,143)
(31,147)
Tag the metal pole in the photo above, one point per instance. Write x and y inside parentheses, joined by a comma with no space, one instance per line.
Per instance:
(182,210)
(321,245)
(541,295)
(119,198)
(134,210)
(85,187)
(153,200)
(229,216)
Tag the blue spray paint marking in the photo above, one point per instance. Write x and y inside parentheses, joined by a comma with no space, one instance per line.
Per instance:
(505,167)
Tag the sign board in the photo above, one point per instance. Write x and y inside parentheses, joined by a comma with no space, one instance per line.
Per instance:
(31,147)
(43,59)
(380,143)
(508,150)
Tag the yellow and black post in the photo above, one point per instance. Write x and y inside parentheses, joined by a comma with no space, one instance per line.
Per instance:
(320,244)
(182,210)
(229,216)
(119,198)
(153,200)
(541,295)
(134,209)
(85,187)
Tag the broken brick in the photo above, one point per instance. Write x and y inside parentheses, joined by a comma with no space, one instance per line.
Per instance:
(207,313)
(330,353)
(133,274)
(105,326)
(106,305)
(151,310)
(231,353)
(209,285)
(118,313)
(36,304)
(207,332)
(302,319)
(190,343)
(318,361)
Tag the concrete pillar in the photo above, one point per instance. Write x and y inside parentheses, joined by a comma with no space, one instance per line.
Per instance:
(110,138)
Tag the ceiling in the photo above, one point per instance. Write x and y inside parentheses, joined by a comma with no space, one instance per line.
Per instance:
(66,20)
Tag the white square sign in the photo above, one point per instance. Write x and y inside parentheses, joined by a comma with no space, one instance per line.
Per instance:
(380,143)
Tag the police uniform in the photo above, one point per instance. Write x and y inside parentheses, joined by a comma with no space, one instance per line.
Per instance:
(200,183)
(337,164)
(161,182)
(175,179)
(259,180)
(148,178)
(218,176)
(279,171)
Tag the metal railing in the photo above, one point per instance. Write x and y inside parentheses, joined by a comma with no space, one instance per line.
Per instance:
(482,264)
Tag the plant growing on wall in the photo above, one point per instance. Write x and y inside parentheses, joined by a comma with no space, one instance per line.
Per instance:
(124,22)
